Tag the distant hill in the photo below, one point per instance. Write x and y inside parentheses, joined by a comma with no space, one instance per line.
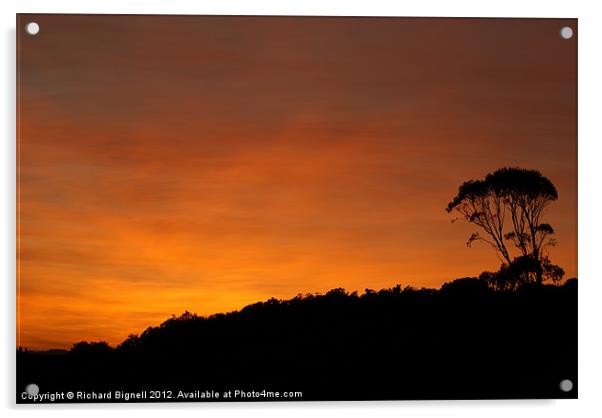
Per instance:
(54,351)
(461,341)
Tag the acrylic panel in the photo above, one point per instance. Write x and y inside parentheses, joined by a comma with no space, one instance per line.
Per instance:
(279,208)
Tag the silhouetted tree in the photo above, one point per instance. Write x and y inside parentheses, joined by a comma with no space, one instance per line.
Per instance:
(551,271)
(508,206)
(521,271)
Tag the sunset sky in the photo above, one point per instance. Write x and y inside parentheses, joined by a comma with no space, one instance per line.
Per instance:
(205,163)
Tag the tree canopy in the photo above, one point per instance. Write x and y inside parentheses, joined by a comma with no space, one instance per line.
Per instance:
(508,206)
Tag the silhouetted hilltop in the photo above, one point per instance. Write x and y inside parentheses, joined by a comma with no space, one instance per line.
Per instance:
(464,340)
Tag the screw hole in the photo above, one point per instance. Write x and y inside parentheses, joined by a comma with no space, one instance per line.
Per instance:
(566,32)
(32,389)
(566,385)
(32,28)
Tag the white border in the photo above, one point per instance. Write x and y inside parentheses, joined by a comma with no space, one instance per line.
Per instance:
(590,202)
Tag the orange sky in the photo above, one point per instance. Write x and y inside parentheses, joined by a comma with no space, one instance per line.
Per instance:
(204,163)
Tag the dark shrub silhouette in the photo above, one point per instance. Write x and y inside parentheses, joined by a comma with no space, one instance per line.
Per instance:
(465,287)
(521,272)
(465,340)
(84,348)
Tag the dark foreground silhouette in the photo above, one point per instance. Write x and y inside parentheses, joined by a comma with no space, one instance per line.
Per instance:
(464,341)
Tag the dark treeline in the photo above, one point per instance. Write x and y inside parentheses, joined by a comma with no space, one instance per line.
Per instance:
(465,340)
